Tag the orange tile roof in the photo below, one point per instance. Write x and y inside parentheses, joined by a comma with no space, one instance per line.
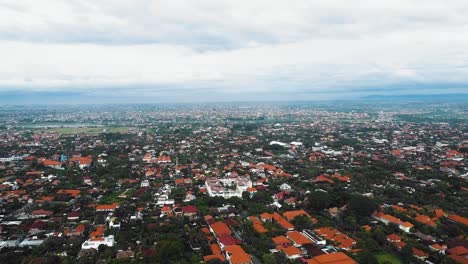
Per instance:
(322,178)
(266,216)
(391,218)
(459,250)
(282,222)
(73,193)
(394,237)
(220,257)
(333,258)
(251,189)
(399,208)
(424,219)
(51,163)
(281,240)
(459,219)
(298,238)
(98,232)
(267,167)
(205,230)
(82,160)
(237,255)
(215,249)
(289,251)
(420,253)
(290,215)
(257,225)
(105,207)
(439,213)
(220,228)
(79,229)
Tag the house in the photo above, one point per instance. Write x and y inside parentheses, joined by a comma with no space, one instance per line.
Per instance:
(257,225)
(459,254)
(189,197)
(290,252)
(41,213)
(73,193)
(252,191)
(189,210)
(265,217)
(83,162)
(386,219)
(282,222)
(227,240)
(290,215)
(281,240)
(125,254)
(236,255)
(420,254)
(227,187)
(164,159)
(220,228)
(144,183)
(107,207)
(72,216)
(285,187)
(94,243)
(458,219)
(393,238)
(314,237)
(332,258)
(298,238)
(147,158)
(79,230)
(219,257)
(323,179)
(114,224)
(52,164)
(438,248)
(424,219)
(343,241)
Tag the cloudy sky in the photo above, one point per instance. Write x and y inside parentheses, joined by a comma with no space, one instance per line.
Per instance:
(224,50)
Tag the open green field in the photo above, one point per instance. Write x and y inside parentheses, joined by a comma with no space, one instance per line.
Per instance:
(387,258)
(84,130)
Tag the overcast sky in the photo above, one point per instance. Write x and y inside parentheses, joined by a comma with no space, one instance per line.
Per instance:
(222,50)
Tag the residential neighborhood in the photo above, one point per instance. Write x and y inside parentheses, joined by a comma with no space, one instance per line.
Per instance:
(238,184)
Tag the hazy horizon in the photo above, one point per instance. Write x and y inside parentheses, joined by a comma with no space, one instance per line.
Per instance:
(185,51)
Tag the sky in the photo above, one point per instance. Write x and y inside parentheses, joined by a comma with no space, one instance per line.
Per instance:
(230,50)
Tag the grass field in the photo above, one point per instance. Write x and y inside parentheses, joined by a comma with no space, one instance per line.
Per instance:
(84,130)
(387,258)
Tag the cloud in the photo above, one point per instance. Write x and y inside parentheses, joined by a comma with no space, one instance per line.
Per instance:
(232,47)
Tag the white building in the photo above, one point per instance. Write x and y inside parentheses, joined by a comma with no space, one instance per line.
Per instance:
(227,187)
(144,183)
(314,237)
(285,187)
(94,243)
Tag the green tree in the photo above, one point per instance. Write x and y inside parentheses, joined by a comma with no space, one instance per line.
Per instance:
(318,200)
(361,205)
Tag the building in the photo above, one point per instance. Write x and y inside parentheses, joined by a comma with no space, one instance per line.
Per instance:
(314,237)
(227,187)
(332,258)
(386,219)
(52,164)
(94,243)
(107,207)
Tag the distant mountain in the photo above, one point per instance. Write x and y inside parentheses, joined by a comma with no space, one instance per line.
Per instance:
(459,97)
